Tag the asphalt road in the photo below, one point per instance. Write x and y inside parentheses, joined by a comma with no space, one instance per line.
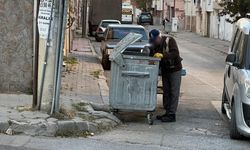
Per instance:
(199,124)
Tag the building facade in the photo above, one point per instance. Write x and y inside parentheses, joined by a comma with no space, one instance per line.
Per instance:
(190,15)
(16,46)
(175,9)
(203,17)
(157,7)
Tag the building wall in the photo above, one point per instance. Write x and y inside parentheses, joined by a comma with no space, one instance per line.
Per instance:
(179,11)
(157,6)
(225,29)
(16,46)
(190,15)
(209,23)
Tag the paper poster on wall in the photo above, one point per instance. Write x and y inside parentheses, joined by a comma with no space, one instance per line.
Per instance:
(44,18)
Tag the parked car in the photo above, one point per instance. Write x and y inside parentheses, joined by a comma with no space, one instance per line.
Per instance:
(236,92)
(115,33)
(145,17)
(102,27)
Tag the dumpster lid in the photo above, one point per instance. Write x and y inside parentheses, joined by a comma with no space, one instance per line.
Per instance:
(122,45)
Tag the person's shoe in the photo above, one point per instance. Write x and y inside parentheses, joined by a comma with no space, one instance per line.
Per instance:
(169,118)
(159,117)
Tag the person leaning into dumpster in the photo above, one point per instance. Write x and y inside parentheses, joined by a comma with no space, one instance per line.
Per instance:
(165,47)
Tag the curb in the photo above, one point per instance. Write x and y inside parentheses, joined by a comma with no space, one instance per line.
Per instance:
(102,81)
(86,122)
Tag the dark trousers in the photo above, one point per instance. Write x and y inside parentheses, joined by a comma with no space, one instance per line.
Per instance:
(171,90)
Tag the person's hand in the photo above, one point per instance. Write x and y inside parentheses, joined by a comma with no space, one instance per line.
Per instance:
(158,55)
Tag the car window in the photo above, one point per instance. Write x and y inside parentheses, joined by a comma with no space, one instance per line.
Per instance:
(247,58)
(236,43)
(105,24)
(234,39)
(239,48)
(120,33)
(145,16)
(240,53)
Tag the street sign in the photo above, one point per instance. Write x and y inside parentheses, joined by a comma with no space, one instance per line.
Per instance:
(44,18)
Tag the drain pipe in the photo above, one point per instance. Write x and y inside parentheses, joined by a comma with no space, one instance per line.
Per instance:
(45,59)
(35,53)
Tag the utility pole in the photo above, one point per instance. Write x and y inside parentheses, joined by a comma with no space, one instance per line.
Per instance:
(191,15)
(78,13)
(163,8)
(46,62)
(51,24)
(174,9)
(84,17)
(62,15)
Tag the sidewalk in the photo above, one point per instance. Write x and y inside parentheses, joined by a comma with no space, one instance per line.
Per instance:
(84,92)
(86,80)
(212,43)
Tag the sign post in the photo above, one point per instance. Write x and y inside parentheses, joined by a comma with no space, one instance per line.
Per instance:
(46,54)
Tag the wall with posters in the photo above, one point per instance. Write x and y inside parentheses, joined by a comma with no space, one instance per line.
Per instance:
(16,46)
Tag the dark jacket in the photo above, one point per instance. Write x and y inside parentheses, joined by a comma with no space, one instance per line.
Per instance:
(171,61)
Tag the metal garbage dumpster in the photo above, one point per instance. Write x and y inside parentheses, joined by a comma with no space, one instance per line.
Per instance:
(133,80)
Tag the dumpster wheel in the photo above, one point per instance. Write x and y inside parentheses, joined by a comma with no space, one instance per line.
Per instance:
(150,118)
(114,111)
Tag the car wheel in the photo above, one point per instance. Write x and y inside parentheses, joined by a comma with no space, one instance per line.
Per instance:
(234,133)
(105,62)
(223,101)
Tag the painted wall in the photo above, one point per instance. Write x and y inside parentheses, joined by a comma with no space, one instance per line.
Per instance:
(179,11)
(16,46)
(190,15)
(208,23)
(225,29)
(158,4)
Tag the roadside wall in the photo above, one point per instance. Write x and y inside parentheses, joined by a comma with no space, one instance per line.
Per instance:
(16,37)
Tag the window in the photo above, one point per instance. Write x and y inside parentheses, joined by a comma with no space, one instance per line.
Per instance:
(236,42)
(120,33)
(239,49)
(105,24)
(240,54)
(234,39)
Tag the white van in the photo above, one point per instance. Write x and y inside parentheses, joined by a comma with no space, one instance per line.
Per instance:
(236,92)
(127,13)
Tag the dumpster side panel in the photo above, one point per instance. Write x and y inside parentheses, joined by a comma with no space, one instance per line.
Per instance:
(135,86)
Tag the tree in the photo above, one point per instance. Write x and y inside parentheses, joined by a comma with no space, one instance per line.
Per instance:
(235,8)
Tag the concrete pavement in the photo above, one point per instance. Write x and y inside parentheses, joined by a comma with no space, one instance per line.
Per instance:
(83,82)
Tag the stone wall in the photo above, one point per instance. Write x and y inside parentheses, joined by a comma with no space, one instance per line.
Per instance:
(16,40)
